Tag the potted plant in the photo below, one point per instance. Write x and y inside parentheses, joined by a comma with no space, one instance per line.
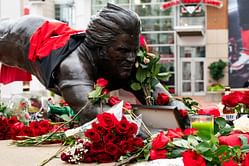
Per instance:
(216,70)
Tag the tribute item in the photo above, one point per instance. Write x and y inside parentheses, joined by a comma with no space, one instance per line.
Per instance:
(68,61)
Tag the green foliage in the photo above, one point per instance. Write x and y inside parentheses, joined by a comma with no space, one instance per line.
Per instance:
(216,69)
(148,74)
(216,88)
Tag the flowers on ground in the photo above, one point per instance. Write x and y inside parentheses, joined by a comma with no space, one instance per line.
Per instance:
(106,141)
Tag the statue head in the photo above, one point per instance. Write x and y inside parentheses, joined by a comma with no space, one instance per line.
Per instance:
(114,32)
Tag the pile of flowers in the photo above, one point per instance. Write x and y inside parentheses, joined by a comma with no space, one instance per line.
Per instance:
(236,102)
(12,128)
(106,141)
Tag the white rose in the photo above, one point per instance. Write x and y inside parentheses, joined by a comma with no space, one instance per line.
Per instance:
(242,124)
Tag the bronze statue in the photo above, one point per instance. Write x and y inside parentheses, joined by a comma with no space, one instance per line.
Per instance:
(106,49)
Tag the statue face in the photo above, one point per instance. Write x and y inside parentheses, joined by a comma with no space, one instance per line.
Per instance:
(121,55)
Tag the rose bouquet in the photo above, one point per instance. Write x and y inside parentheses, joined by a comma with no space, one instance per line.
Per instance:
(147,73)
(106,140)
(236,102)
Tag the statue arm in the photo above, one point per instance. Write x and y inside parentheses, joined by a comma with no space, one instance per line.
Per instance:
(75,81)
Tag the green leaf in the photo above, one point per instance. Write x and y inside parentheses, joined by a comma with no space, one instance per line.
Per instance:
(203,147)
(135,86)
(154,82)
(221,122)
(176,153)
(192,140)
(141,75)
(65,117)
(181,143)
(244,142)
(95,93)
(164,76)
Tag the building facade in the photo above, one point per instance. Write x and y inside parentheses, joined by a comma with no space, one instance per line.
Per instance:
(187,37)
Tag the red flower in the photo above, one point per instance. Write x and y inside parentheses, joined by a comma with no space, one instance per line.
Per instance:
(105,92)
(125,147)
(109,137)
(246,160)
(162,99)
(107,120)
(158,154)
(232,99)
(133,128)
(97,147)
(102,82)
(104,158)
(111,148)
(123,126)
(209,110)
(138,142)
(177,133)
(92,135)
(160,141)
(183,112)
(127,106)
(143,43)
(190,131)
(12,120)
(113,100)
(232,140)
(101,130)
(230,163)
(191,158)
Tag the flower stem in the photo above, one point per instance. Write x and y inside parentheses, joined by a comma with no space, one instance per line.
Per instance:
(62,125)
(62,148)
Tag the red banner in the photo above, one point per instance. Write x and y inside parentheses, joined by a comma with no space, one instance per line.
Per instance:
(215,3)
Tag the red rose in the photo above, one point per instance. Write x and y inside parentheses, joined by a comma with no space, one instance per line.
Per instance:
(109,137)
(232,140)
(104,158)
(191,158)
(245,98)
(183,112)
(125,147)
(101,130)
(138,142)
(246,160)
(232,99)
(133,128)
(107,120)
(12,120)
(143,43)
(4,126)
(209,110)
(160,141)
(177,133)
(123,126)
(190,131)
(111,148)
(127,106)
(45,126)
(92,135)
(105,92)
(102,82)
(162,99)
(158,154)
(113,100)
(16,128)
(97,147)
(230,163)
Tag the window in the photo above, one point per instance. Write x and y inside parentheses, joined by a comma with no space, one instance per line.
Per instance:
(64,11)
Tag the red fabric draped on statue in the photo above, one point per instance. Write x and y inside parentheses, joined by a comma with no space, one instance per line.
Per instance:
(9,74)
(50,36)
